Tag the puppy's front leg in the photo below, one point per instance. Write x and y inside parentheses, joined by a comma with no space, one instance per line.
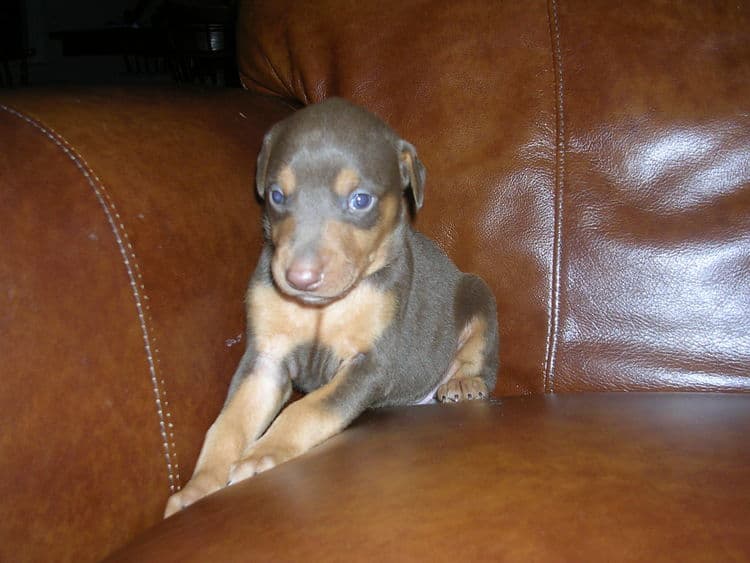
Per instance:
(309,421)
(258,394)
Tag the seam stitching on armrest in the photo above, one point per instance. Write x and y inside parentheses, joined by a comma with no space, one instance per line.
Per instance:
(166,426)
(560,147)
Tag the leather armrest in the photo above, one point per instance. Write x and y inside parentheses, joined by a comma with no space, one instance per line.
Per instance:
(568,477)
(128,231)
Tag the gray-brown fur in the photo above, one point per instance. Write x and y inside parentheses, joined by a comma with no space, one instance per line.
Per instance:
(349,304)
(412,355)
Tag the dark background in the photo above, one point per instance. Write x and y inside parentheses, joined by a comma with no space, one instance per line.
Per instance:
(117,41)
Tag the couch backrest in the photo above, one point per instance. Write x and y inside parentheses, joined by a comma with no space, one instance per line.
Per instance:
(590,160)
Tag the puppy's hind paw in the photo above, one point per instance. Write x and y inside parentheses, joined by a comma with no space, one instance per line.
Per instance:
(462,389)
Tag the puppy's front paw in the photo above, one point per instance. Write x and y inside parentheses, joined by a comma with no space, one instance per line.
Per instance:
(201,485)
(462,389)
(258,459)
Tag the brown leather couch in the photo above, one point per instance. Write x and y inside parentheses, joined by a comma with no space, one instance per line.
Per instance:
(591,160)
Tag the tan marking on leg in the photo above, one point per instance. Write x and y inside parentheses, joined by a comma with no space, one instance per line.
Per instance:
(301,426)
(463,381)
(346,180)
(287,180)
(248,413)
(279,324)
(471,343)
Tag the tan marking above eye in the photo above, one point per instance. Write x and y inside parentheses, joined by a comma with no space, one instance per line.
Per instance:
(287,180)
(346,180)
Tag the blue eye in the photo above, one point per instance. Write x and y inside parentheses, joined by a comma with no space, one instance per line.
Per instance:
(277,196)
(360,201)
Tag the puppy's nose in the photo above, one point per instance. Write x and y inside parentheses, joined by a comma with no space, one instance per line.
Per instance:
(305,274)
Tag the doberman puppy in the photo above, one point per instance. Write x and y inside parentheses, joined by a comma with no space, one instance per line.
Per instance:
(348,302)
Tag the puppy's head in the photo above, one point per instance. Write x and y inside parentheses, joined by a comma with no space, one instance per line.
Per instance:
(333,177)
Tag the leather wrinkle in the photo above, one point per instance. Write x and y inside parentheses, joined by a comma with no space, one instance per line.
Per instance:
(560,147)
(127,252)
(276,74)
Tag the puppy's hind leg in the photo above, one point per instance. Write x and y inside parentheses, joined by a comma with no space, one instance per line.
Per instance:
(473,371)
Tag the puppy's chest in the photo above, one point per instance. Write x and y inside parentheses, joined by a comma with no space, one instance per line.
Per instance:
(316,338)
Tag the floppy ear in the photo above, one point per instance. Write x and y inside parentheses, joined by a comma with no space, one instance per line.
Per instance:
(412,172)
(262,164)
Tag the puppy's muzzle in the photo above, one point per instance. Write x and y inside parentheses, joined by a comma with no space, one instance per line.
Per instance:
(305,274)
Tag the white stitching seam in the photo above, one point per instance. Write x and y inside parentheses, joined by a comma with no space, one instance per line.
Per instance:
(553,328)
(166,425)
